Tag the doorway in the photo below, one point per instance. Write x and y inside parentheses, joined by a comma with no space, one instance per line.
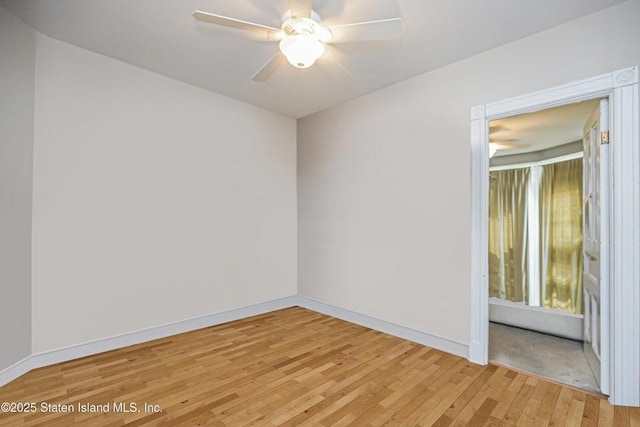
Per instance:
(622,90)
(544,214)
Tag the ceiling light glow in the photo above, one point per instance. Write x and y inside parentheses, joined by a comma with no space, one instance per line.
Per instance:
(301,50)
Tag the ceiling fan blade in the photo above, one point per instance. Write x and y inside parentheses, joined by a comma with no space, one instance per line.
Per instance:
(301,8)
(267,70)
(270,33)
(336,57)
(384,29)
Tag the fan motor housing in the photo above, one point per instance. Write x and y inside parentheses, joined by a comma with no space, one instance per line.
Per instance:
(294,25)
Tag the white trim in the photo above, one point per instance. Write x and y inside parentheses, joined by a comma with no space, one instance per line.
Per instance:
(544,162)
(16,370)
(545,320)
(581,90)
(622,89)
(101,345)
(478,345)
(605,250)
(523,306)
(415,335)
(624,149)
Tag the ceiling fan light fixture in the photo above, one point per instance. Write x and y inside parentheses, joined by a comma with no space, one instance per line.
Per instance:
(303,38)
(301,50)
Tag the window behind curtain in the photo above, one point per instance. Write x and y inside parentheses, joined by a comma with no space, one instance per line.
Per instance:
(558,234)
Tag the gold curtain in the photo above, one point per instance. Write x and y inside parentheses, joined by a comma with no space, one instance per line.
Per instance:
(561,236)
(508,234)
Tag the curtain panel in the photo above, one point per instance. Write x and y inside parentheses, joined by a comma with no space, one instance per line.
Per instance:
(561,236)
(508,236)
(556,225)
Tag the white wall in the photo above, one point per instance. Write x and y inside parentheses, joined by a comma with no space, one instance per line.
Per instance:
(17,67)
(384,180)
(154,201)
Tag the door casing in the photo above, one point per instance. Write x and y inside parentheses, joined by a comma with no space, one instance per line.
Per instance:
(621,87)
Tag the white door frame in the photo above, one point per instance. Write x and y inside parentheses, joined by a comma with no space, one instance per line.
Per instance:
(623,91)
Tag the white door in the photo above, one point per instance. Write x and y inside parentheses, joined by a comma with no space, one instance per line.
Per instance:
(596,243)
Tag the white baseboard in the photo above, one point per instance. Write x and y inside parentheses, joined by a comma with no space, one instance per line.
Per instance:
(420,337)
(64,354)
(478,353)
(547,321)
(16,370)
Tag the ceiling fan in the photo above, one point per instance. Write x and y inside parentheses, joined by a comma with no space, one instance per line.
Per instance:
(303,39)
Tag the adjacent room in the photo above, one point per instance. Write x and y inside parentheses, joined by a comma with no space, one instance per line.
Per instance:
(319,212)
(537,206)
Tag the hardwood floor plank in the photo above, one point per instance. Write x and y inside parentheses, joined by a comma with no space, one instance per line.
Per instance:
(529,412)
(482,414)
(605,416)
(576,409)
(461,402)
(447,395)
(516,409)
(295,367)
(621,417)
(509,393)
(548,404)
(591,411)
(560,412)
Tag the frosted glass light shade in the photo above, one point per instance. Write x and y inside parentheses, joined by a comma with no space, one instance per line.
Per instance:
(301,50)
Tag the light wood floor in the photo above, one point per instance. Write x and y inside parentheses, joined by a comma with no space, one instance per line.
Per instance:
(296,367)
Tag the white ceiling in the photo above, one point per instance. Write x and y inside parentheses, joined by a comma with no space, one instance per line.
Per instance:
(542,129)
(161,36)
